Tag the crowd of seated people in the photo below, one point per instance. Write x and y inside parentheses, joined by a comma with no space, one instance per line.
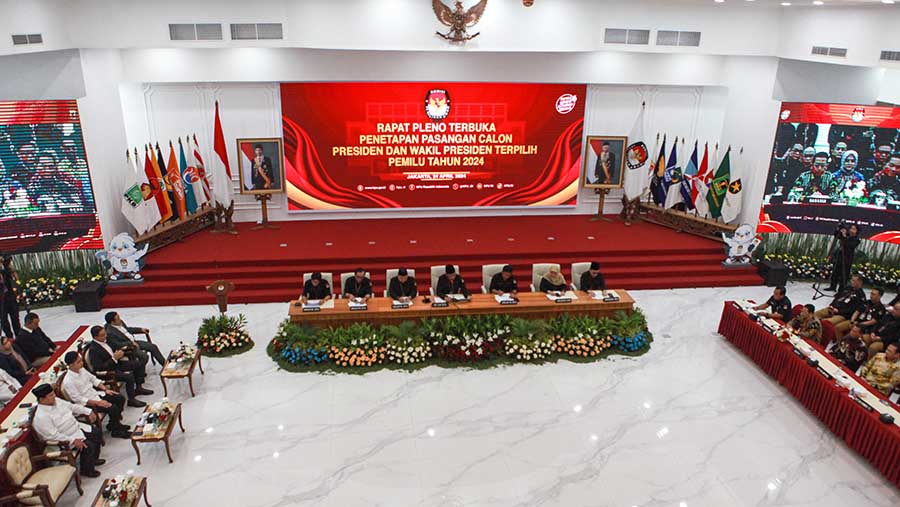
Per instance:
(866,332)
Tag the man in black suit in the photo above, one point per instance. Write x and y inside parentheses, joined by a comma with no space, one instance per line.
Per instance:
(450,283)
(604,169)
(14,362)
(504,282)
(104,358)
(120,335)
(316,289)
(32,341)
(592,279)
(262,175)
(358,286)
(402,287)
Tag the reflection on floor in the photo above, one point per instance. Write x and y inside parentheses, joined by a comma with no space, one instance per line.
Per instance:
(692,422)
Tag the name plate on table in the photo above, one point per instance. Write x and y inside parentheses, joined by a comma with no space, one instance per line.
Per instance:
(798,352)
(508,302)
(824,373)
(358,308)
(562,300)
(399,306)
(440,304)
(312,309)
(863,404)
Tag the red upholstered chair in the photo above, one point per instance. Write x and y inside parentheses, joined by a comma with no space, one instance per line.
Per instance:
(828,333)
(796,310)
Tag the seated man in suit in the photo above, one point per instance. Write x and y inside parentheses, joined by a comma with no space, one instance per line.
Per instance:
(358,287)
(9,387)
(120,335)
(450,283)
(845,302)
(402,287)
(504,282)
(553,282)
(778,304)
(316,289)
(14,362)
(32,341)
(55,420)
(130,371)
(83,388)
(592,279)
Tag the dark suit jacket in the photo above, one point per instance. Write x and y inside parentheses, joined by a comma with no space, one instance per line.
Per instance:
(100,358)
(444,286)
(34,344)
(116,339)
(598,168)
(259,183)
(11,366)
(396,289)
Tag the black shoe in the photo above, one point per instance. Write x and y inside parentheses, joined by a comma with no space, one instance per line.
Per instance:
(140,391)
(134,402)
(100,462)
(830,288)
(93,474)
(120,434)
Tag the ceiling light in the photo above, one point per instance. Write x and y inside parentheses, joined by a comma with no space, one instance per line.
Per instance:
(786,4)
(720,1)
(818,2)
(577,408)
(889,2)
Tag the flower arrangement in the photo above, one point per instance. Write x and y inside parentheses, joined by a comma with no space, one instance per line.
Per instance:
(405,344)
(223,335)
(47,291)
(528,340)
(806,267)
(483,340)
(854,192)
(121,490)
(581,336)
(156,417)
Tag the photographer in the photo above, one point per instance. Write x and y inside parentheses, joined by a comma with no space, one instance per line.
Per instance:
(841,255)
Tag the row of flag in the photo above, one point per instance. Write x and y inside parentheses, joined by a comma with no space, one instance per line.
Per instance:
(163,189)
(704,185)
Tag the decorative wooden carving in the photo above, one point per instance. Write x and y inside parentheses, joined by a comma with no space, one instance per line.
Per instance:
(171,232)
(685,222)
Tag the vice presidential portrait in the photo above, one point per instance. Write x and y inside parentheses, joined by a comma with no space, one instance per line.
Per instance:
(261,165)
(604,160)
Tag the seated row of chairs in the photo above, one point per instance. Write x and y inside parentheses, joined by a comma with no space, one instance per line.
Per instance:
(487,272)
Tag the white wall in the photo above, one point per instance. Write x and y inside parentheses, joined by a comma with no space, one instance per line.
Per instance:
(48,75)
(800,81)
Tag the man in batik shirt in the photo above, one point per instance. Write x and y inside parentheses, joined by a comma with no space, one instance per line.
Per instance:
(883,371)
(807,325)
(851,351)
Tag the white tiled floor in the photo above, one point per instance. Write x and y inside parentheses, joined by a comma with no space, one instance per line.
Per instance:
(693,422)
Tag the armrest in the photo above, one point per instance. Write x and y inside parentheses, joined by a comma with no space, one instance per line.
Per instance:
(21,495)
(64,456)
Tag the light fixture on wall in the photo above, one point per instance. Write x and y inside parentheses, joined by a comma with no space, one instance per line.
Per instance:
(527,3)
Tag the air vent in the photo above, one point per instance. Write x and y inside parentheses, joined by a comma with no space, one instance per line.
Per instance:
(820,50)
(626,36)
(198,31)
(256,31)
(31,38)
(891,56)
(675,38)
(826,51)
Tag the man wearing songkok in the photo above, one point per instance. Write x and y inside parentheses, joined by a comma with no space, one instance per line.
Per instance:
(402,287)
(32,341)
(807,325)
(778,304)
(504,282)
(883,371)
(592,279)
(450,283)
(851,350)
(54,419)
(83,388)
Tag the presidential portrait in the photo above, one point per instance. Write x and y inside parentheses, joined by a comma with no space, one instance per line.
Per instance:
(604,161)
(261,165)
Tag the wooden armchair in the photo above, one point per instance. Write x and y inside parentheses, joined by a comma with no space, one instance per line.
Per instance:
(60,393)
(108,377)
(36,481)
(48,446)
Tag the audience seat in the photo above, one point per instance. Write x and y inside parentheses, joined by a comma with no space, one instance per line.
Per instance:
(578,269)
(487,272)
(60,393)
(391,273)
(328,277)
(436,272)
(796,310)
(537,272)
(38,486)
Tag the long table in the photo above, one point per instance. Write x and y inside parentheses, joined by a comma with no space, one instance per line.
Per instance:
(532,305)
(849,420)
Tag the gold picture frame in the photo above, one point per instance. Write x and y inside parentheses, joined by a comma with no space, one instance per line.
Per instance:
(272,157)
(594,175)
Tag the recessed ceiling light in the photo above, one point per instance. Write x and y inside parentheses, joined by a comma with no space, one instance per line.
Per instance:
(786,4)
(720,1)
(818,2)
(889,2)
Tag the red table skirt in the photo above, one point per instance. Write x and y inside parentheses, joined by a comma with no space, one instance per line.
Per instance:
(860,429)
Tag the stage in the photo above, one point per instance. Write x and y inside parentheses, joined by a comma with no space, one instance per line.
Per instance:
(268,265)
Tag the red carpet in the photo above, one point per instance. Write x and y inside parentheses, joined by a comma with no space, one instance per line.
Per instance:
(268,265)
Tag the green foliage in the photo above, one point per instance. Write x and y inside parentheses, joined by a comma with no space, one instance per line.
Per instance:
(222,323)
(78,264)
(224,335)
(628,325)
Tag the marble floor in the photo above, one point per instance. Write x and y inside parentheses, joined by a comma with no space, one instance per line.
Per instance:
(691,423)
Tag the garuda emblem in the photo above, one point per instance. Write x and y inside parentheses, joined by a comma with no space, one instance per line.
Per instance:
(458,19)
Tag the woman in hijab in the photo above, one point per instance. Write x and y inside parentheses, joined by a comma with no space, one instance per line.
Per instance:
(847,175)
(553,281)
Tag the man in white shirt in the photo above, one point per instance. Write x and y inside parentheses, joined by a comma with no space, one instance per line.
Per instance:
(121,335)
(83,388)
(9,387)
(55,420)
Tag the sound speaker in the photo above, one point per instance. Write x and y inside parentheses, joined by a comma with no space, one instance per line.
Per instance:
(773,272)
(87,296)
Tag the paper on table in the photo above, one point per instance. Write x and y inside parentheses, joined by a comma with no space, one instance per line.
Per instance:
(407,303)
(457,297)
(566,295)
(354,304)
(502,297)
(439,300)
(317,303)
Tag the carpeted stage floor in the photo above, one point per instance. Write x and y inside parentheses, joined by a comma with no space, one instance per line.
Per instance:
(267,265)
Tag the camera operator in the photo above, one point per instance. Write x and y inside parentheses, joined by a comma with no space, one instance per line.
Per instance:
(841,255)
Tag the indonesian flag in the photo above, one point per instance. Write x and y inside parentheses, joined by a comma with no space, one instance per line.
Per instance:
(220,171)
